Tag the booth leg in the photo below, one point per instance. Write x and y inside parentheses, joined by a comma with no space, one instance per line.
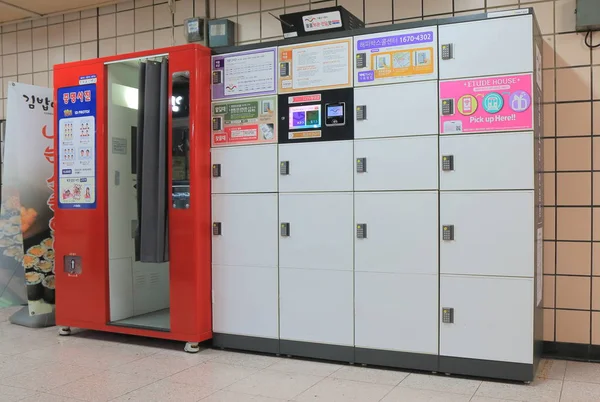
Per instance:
(192,347)
(64,331)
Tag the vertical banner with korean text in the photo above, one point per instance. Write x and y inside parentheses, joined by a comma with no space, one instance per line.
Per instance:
(27,199)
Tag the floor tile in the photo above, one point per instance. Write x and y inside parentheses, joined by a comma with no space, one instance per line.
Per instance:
(228,396)
(158,366)
(583,372)
(486,399)
(48,377)
(103,386)
(13,365)
(9,394)
(404,394)
(246,360)
(297,366)
(552,369)
(580,392)
(540,390)
(440,383)
(337,390)
(275,384)
(212,375)
(167,391)
(370,375)
(42,397)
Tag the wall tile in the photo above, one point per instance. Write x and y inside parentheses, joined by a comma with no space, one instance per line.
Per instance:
(431,7)
(72,16)
(404,9)
(125,22)
(596,87)
(565,15)
(107,10)
(549,257)
(574,224)
(9,64)
(41,79)
(1,75)
(571,50)
(596,328)
(24,41)
(549,85)
(144,41)
(573,258)
(200,9)
(40,38)
(273,4)
(596,122)
(39,23)
(226,8)
(125,5)
(125,44)
(25,63)
(270,27)
(26,79)
(55,19)
(573,292)
(184,9)
(464,5)
(9,43)
(573,84)
(596,259)
(143,3)
(40,60)
(56,55)
(162,16)
(89,50)
(315,5)
(92,12)
(72,32)
(544,13)
(549,154)
(573,153)
(354,6)
(378,11)
(548,324)
(574,119)
(596,214)
(248,6)
(89,29)
(107,26)
(144,19)
(55,35)
(596,189)
(596,142)
(24,25)
(163,38)
(248,27)
(107,47)
(548,51)
(549,120)
(548,296)
(596,293)
(549,223)
(572,326)
(549,189)
(72,53)
(50,79)
(500,3)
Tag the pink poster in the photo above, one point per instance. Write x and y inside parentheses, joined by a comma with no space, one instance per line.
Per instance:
(502,103)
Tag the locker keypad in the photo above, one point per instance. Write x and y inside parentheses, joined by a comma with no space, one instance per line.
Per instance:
(448,232)
(217,77)
(447,51)
(216,229)
(361,165)
(284,69)
(284,168)
(361,112)
(361,231)
(361,60)
(448,315)
(447,107)
(217,124)
(448,163)
(285,229)
(216,170)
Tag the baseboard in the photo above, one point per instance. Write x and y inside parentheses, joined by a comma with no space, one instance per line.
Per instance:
(402,360)
(317,351)
(248,343)
(571,351)
(487,368)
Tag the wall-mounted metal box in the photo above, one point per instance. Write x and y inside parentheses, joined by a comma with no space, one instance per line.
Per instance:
(588,15)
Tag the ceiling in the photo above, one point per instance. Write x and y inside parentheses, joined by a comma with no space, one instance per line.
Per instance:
(15,10)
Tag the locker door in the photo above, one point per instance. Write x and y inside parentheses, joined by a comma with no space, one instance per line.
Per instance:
(489,162)
(401,232)
(397,312)
(245,169)
(493,318)
(248,230)
(321,231)
(397,110)
(493,233)
(317,166)
(397,164)
(488,47)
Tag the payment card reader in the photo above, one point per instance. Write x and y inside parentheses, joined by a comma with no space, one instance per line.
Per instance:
(335,114)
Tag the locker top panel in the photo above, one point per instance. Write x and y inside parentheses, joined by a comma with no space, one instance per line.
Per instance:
(488,47)
(316,116)
(315,66)
(487,104)
(246,121)
(395,56)
(243,74)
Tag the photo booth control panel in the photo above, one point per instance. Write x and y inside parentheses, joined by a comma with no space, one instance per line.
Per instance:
(316,116)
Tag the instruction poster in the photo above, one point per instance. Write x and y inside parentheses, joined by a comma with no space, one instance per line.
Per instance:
(501,103)
(315,66)
(398,56)
(245,121)
(77,147)
(241,74)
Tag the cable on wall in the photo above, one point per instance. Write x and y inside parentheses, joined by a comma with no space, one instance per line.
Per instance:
(589,42)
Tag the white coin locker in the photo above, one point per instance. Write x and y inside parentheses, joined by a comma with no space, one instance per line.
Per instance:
(489,47)
(501,161)
(493,233)
(491,318)
(404,163)
(244,169)
(397,110)
(316,166)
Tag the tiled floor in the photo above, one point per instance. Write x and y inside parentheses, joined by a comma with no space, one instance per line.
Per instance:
(39,366)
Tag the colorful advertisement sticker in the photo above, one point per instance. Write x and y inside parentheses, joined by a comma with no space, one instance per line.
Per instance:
(243,74)
(399,56)
(315,66)
(501,103)
(245,121)
(77,147)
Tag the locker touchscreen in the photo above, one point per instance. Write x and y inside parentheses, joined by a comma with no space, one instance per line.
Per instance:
(303,117)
